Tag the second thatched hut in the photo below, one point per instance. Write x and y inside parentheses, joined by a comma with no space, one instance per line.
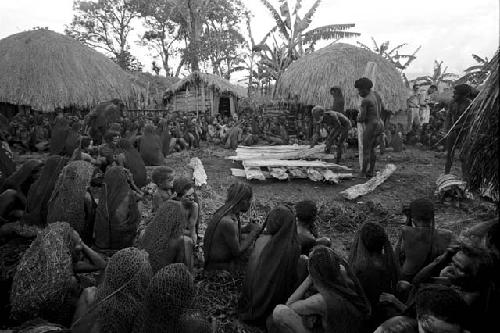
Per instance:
(311,77)
(203,93)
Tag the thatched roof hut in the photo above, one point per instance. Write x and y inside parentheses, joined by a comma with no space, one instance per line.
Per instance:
(151,88)
(203,92)
(47,70)
(312,76)
(480,126)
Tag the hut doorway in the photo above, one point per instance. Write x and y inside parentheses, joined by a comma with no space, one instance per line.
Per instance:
(225,106)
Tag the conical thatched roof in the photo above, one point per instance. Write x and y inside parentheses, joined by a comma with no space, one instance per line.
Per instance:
(212,81)
(48,70)
(312,76)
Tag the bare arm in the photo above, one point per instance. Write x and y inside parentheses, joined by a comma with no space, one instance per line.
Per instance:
(95,261)
(299,292)
(230,234)
(365,104)
(193,218)
(314,305)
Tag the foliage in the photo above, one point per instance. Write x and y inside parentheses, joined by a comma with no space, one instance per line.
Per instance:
(439,75)
(401,61)
(106,25)
(161,31)
(477,74)
(297,36)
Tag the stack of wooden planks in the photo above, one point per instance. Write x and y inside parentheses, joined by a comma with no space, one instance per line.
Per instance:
(288,162)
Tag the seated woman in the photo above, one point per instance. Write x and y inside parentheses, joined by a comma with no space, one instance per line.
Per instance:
(164,238)
(117,214)
(339,299)
(306,212)
(272,267)
(224,247)
(71,200)
(113,305)
(45,284)
(185,193)
(163,178)
(14,190)
(168,302)
(132,161)
(420,243)
(372,260)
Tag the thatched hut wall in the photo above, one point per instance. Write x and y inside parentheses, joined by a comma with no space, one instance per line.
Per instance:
(202,93)
(312,76)
(47,71)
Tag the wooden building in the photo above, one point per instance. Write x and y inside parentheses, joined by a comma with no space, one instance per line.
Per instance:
(202,93)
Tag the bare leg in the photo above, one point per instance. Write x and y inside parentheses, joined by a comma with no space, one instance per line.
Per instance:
(288,320)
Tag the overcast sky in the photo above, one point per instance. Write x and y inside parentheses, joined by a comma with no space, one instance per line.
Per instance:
(448,30)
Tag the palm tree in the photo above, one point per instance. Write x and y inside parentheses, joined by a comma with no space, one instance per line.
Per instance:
(439,75)
(477,74)
(401,61)
(298,38)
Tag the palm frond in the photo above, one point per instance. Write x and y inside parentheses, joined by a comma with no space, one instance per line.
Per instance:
(298,5)
(277,18)
(396,48)
(249,29)
(479,59)
(285,12)
(308,17)
(474,68)
(326,33)
(364,46)
(375,44)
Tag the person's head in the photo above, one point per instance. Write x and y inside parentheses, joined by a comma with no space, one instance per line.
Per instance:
(470,268)
(432,89)
(306,212)
(416,88)
(461,92)
(242,193)
(317,113)
(163,177)
(440,309)
(422,212)
(398,324)
(336,91)
(324,267)
(277,218)
(364,86)
(184,188)
(373,237)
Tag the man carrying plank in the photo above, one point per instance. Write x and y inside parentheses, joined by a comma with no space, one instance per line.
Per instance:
(369,118)
(338,129)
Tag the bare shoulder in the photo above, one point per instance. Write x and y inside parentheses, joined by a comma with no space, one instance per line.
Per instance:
(227,224)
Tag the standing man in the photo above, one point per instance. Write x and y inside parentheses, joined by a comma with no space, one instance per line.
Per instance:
(338,99)
(369,118)
(460,103)
(414,103)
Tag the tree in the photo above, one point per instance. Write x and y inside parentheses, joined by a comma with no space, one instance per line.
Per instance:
(401,61)
(105,25)
(221,41)
(439,75)
(161,31)
(477,74)
(298,38)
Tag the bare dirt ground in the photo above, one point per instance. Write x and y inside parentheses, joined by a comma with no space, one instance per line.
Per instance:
(417,171)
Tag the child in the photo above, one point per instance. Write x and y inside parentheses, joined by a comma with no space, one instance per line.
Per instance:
(163,177)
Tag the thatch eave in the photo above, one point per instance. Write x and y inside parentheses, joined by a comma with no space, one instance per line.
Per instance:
(47,71)
(212,81)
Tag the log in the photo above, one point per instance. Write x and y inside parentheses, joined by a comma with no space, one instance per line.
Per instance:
(293,163)
(238,173)
(356,191)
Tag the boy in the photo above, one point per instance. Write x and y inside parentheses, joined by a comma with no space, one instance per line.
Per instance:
(163,177)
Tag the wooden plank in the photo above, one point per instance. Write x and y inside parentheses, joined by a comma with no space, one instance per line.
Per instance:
(292,163)
(356,191)
(238,173)
(280,154)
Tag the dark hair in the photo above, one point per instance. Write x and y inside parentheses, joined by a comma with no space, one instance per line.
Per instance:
(422,209)
(363,83)
(161,174)
(483,263)
(433,86)
(182,185)
(306,211)
(373,237)
(441,302)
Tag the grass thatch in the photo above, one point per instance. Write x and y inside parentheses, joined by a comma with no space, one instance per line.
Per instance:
(212,81)
(153,86)
(312,76)
(47,70)
(479,129)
